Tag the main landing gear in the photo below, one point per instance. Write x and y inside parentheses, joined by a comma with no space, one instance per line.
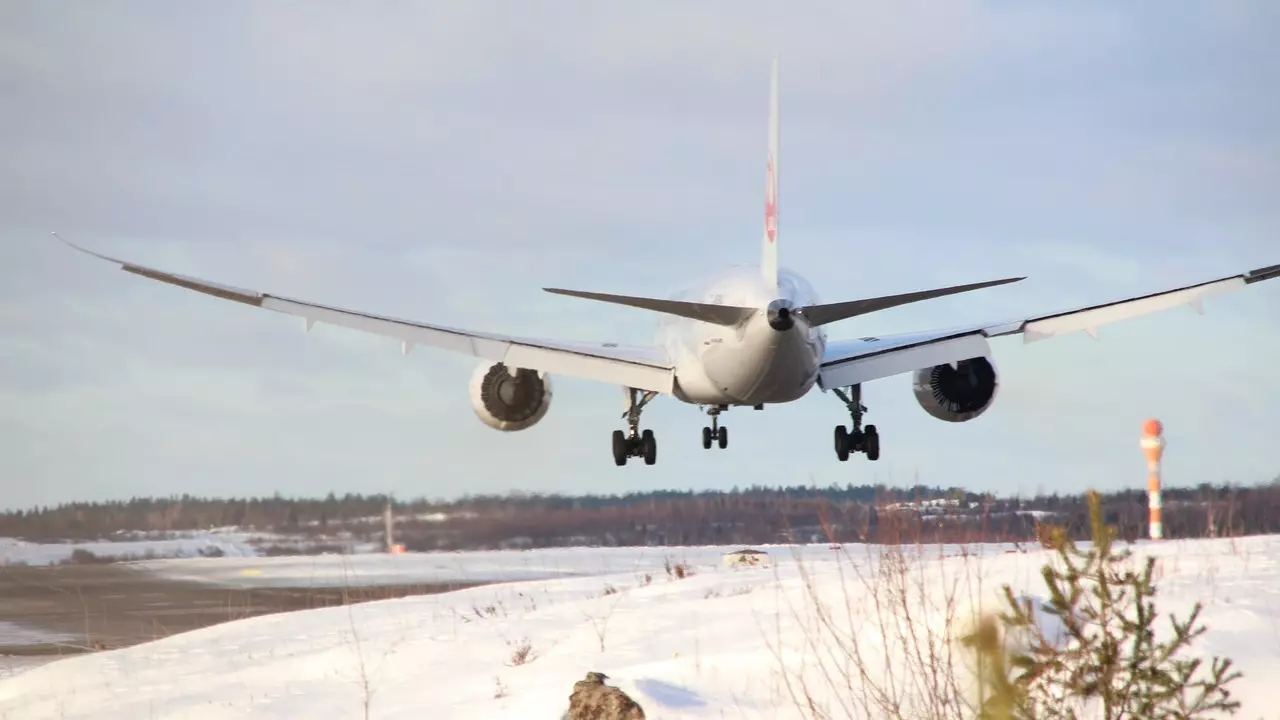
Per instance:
(715,432)
(635,443)
(856,440)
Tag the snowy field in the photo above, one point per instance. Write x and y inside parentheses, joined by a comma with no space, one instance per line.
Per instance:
(231,542)
(718,644)
(12,633)
(11,665)
(14,551)
(437,568)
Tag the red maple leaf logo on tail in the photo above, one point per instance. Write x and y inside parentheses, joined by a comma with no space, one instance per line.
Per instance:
(770,203)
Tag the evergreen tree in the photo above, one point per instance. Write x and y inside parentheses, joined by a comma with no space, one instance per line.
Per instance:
(1108,655)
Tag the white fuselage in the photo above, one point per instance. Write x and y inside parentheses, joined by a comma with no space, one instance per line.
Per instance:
(750,363)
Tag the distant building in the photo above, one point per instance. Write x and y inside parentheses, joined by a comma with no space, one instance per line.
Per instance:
(745,557)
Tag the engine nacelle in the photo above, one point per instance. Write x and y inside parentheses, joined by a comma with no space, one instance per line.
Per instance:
(956,394)
(509,399)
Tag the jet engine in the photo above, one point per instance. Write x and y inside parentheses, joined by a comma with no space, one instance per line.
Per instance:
(509,399)
(956,394)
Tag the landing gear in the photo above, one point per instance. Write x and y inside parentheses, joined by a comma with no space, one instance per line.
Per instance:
(856,440)
(621,448)
(871,443)
(648,447)
(715,432)
(635,443)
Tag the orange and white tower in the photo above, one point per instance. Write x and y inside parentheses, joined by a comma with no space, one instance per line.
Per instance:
(1153,447)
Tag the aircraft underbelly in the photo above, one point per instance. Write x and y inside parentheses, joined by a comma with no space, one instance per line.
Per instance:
(773,368)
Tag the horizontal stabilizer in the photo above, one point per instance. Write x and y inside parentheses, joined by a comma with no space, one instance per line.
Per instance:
(715,314)
(831,312)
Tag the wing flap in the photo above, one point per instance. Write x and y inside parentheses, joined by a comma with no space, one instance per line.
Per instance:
(591,367)
(644,368)
(894,358)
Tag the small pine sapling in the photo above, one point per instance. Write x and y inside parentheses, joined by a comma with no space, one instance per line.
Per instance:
(1106,654)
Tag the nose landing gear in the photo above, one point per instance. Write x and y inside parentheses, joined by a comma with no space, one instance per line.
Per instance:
(715,432)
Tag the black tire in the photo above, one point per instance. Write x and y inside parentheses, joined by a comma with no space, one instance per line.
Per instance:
(842,443)
(872,443)
(723,435)
(649,445)
(706,438)
(619,448)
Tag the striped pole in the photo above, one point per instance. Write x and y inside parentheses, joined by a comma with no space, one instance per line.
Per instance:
(1153,447)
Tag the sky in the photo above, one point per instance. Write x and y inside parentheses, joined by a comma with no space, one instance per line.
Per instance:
(445,161)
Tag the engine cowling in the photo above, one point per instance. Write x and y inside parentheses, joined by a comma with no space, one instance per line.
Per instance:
(957,394)
(509,399)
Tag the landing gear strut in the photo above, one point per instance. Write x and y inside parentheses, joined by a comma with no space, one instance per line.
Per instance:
(635,443)
(715,432)
(856,440)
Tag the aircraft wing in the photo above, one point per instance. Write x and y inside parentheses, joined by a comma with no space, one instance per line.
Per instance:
(850,362)
(644,368)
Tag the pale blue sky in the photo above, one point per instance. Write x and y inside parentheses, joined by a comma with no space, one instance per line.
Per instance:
(444,161)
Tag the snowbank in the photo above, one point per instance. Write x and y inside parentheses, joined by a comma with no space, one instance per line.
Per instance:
(719,643)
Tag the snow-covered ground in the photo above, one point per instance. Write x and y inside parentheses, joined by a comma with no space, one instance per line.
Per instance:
(435,568)
(231,542)
(14,551)
(11,665)
(721,643)
(12,633)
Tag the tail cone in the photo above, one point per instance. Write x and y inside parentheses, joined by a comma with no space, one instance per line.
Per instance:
(782,315)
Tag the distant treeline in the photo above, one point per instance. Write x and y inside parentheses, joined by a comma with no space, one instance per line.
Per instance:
(852,513)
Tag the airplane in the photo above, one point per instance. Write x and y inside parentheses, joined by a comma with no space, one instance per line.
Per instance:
(751,336)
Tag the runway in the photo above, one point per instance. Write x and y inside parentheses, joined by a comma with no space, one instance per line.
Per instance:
(69,609)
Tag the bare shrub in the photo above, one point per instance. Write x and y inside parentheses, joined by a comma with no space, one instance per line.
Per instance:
(80,556)
(600,623)
(735,592)
(492,610)
(279,550)
(366,672)
(521,653)
(887,639)
(676,571)
(884,642)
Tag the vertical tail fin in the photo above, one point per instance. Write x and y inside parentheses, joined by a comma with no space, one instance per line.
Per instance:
(769,253)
